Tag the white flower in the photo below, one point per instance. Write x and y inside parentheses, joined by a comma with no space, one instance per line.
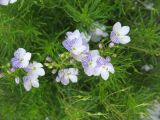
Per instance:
(47,118)
(29,81)
(35,68)
(85,36)
(153,112)
(1,74)
(17,80)
(21,58)
(49,59)
(54,71)
(100,45)
(89,62)
(97,32)
(147,67)
(66,75)
(104,67)
(76,44)
(6,2)
(119,34)
(149,5)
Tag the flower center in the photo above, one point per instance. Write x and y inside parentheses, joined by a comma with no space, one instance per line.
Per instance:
(117,34)
(90,63)
(33,68)
(21,59)
(73,49)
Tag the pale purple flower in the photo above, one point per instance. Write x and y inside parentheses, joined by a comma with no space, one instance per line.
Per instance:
(89,62)
(104,67)
(76,44)
(119,34)
(21,58)
(35,69)
(30,81)
(66,75)
(97,32)
(6,2)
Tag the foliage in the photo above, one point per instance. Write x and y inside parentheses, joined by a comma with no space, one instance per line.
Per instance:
(39,26)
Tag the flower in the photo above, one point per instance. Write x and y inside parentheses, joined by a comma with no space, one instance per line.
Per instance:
(6,2)
(17,80)
(66,75)
(76,44)
(35,69)
(104,67)
(89,62)
(100,45)
(97,32)
(1,74)
(149,5)
(21,58)
(119,34)
(85,36)
(49,59)
(147,67)
(47,118)
(153,112)
(54,71)
(29,81)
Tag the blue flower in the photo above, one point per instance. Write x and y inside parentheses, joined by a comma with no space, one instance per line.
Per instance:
(119,34)
(21,58)
(66,75)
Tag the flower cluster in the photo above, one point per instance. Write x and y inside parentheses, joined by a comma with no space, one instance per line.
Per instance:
(76,43)
(94,64)
(6,2)
(21,60)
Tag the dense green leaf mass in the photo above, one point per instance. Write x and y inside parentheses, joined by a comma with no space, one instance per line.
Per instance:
(39,26)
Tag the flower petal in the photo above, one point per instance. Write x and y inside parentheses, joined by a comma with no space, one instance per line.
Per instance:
(65,81)
(36,64)
(27,84)
(124,40)
(27,56)
(40,72)
(13,1)
(105,74)
(4,2)
(117,27)
(73,78)
(35,83)
(17,80)
(58,79)
(110,68)
(124,30)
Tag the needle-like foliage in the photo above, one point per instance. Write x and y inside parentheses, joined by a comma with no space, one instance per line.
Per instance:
(40,26)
